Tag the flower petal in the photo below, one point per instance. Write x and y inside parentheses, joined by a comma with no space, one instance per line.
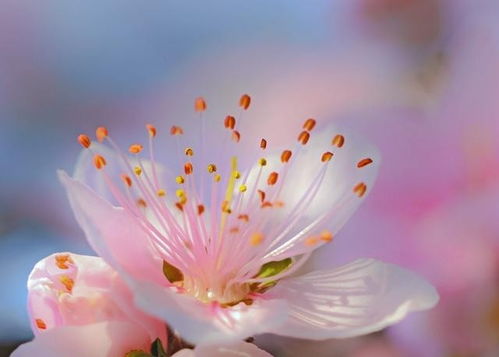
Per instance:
(111,232)
(105,339)
(203,323)
(358,298)
(241,349)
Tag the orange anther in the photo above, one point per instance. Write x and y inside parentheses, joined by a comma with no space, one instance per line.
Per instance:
(40,324)
(99,162)
(230,122)
(245,101)
(327,156)
(200,209)
(338,140)
(364,162)
(212,168)
(236,136)
(263,144)
(286,155)
(101,133)
(67,282)
(272,179)
(360,189)
(234,230)
(304,137)
(243,217)
(256,239)
(266,204)
(311,241)
(126,179)
(226,207)
(189,152)
(262,195)
(141,203)
(135,148)
(62,261)
(326,236)
(151,130)
(84,140)
(176,130)
(309,124)
(188,168)
(179,206)
(199,104)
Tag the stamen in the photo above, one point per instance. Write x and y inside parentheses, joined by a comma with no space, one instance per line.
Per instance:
(338,141)
(236,136)
(212,168)
(263,144)
(286,155)
(180,180)
(188,168)
(135,148)
(309,124)
(243,188)
(101,133)
(99,162)
(236,174)
(304,137)
(245,101)
(137,170)
(243,217)
(364,162)
(199,104)
(200,209)
(62,261)
(126,179)
(262,195)
(141,203)
(326,236)
(84,140)
(189,152)
(40,324)
(360,189)
(151,130)
(272,179)
(256,239)
(161,192)
(230,122)
(311,241)
(176,130)
(217,178)
(67,282)
(262,162)
(327,156)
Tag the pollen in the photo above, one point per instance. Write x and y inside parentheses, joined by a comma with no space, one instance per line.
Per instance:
(236,136)
(180,179)
(161,192)
(84,140)
(243,188)
(67,282)
(304,137)
(40,324)
(189,152)
(286,155)
(309,124)
(135,148)
(338,141)
(360,189)
(272,179)
(62,261)
(256,239)
(245,101)
(327,156)
(176,130)
(262,162)
(188,168)
(101,133)
(326,236)
(230,122)
(199,104)
(99,162)
(200,209)
(212,168)
(263,144)
(151,130)
(364,162)
(137,170)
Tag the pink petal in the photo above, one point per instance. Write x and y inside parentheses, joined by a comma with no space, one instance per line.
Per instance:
(241,349)
(105,339)
(358,298)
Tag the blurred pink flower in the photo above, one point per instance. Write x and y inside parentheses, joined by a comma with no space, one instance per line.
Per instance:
(204,249)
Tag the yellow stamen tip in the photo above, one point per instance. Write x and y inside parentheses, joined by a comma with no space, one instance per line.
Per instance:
(180,193)
(217,178)
(262,162)
(180,180)
(161,192)
(256,239)
(243,188)
(189,152)
(137,170)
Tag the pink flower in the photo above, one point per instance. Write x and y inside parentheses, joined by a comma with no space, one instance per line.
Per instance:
(212,243)
(80,307)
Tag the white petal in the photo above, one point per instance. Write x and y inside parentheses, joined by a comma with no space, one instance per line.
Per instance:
(241,349)
(358,298)
(202,323)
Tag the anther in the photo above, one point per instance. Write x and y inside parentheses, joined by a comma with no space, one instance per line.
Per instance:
(262,195)
(245,101)
(236,174)
(180,179)
(217,178)
(243,217)
(161,192)
(135,148)
(99,162)
(263,144)
(62,261)
(40,324)
(272,179)
(179,206)
(230,122)
(189,152)
(226,207)
(188,168)
(360,189)
(176,130)
(303,137)
(141,203)
(364,162)
(326,236)
(212,168)
(236,136)
(126,179)
(67,282)
(137,170)
(101,133)
(311,241)
(234,230)
(309,124)
(256,239)
(327,156)
(84,140)
(199,104)
(338,141)
(266,204)
(262,162)
(180,193)
(200,209)
(286,155)
(243,188)
(151,130)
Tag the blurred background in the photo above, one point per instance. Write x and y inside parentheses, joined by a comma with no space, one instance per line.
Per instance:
(419,78)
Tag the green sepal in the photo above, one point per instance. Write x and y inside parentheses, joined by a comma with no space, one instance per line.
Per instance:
(157,349)
(273,268)
(172,273)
